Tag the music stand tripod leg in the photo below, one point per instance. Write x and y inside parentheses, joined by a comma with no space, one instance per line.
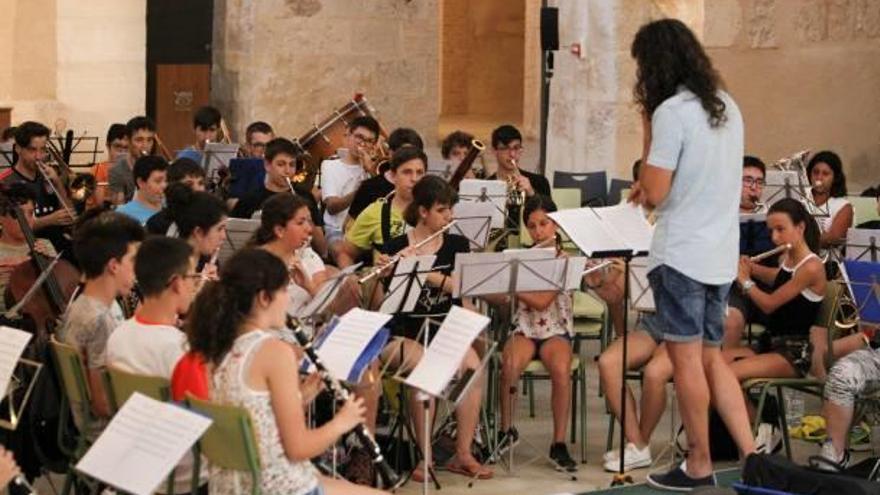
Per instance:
(621,477)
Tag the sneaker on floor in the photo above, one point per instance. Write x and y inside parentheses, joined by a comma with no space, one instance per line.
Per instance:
(768,440)
(507,440)
(633,458)
(559,455)
(831,459)
(678,481)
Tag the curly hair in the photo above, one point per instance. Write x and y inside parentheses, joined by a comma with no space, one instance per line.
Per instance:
(668,55)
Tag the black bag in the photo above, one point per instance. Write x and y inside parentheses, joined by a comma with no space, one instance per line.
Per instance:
(778,473)
(721,444)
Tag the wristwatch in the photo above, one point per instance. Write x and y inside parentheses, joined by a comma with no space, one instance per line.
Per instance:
(747,285)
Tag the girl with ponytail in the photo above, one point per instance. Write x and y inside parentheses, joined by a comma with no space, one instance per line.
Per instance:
(233,325)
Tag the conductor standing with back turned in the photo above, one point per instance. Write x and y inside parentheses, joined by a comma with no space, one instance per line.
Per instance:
(693,153)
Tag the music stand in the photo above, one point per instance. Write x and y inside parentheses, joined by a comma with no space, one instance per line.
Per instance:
(790,184)
(474,222)
(862,244)
(216,157)
(863,281)
(312,312)
(7,155)
(17,375)
(642,298)
(491,191)
(239,232)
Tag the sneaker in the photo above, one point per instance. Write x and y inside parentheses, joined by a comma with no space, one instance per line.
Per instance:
(831,460)
(559,455)
(768,440)
(678,481)
(633,458)
(507,440)
(614,454)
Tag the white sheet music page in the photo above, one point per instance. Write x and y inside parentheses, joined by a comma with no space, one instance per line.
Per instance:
(446,351)
(347,341)
(492,191)
(12,344)
(474,221)
(478,274)
(628,221)
(142,443)
(587,230)
(394,298)
(327,291)
(238,232)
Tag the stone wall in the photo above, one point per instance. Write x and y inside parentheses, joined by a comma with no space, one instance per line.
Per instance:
(804,73)
(292,62)
(61,60)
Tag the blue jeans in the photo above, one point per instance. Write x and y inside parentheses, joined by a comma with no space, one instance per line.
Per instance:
(687,310)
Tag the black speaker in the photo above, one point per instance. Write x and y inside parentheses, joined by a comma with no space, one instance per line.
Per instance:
(549,28)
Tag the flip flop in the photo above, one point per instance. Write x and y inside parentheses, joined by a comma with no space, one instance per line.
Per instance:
(475,470)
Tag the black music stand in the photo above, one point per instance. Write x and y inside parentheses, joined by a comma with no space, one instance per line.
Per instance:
(862,245)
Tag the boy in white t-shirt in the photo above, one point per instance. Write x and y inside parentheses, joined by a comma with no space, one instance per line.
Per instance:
(150,342)
(341,177)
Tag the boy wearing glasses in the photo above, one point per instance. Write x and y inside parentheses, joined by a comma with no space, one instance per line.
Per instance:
(508,148)
(340,177)
(150,343)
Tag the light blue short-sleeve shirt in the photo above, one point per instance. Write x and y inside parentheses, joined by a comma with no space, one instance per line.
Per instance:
(697,230)
(137,210)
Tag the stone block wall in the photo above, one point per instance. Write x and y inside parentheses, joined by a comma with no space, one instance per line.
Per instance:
(804,73)
(292,62)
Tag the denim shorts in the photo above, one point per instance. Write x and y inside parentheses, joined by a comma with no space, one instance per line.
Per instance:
(687,310)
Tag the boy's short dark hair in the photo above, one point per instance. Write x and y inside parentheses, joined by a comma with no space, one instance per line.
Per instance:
(455,139)
(206,117)
(406,154)
(278,146)
(116,131)
(755,162)
(258,126)
(138,123)
(504,135)
(146,165)
(404,136)
(158,260)
(103,236)
(182,168)
(367,122)
(29,130)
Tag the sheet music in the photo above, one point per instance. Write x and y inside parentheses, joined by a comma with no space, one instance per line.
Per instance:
(640,294)
(491,191)
(473,219)
(238,232)
(6,155)
(394,298)
(217,156)
(342,347)
(444,355)
(12,344)
(775,187)
(753,217)
(479,274)
(142,443)
(602,230)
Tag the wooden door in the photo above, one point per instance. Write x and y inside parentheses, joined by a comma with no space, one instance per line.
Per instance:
(180,90)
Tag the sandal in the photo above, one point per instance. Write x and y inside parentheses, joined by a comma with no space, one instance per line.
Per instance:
(471,469)
(418,474)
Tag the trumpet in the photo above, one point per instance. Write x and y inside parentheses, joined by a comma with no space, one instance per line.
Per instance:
(770,253)
(515,196)
(397,257)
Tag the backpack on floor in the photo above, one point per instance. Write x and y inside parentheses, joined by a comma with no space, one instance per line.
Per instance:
(778,473)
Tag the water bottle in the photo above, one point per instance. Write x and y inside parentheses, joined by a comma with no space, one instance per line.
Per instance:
(794,409)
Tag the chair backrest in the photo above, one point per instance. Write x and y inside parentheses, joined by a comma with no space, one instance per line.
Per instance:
(71,372)
(123,384)
(231,441)
(615,191)
(593,185)
(864,209)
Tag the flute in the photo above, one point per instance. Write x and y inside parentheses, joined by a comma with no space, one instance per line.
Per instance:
(21,481)
(211,262)
(390,479)
(394,259)
(772,252)
(596,268)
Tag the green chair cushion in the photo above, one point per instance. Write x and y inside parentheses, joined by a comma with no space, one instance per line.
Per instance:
(586,305)
(536,366)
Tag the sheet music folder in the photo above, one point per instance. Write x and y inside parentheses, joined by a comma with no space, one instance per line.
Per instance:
(612,231)
(351,342)
(238,232)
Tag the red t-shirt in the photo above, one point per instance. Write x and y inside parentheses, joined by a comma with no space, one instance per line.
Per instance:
(190,375)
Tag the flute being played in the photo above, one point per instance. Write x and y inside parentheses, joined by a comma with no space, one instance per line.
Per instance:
(772,252)
(394,259)
(390,479)
(597,267)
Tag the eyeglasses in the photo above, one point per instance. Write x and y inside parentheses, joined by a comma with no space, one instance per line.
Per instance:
(363,139)
(190,276)
(753,182)
(513,149)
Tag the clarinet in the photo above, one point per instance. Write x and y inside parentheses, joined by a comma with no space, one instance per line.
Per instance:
(390,479)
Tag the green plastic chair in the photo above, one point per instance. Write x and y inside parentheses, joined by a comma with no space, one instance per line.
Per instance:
(536,371)
(120,385)
(71,374)
(230,442)
(812,386)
